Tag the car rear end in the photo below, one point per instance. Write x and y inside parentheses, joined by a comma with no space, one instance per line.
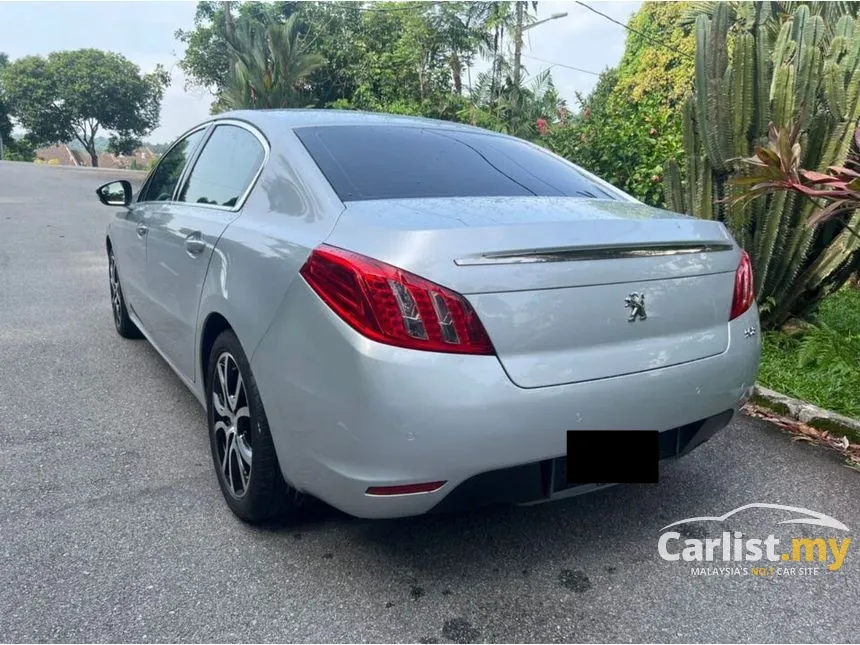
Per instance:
(434,352)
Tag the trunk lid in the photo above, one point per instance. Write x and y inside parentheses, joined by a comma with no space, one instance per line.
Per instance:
(557,281)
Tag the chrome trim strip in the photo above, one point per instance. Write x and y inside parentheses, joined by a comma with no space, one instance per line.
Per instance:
(267,150)
(189,166)
(579,254)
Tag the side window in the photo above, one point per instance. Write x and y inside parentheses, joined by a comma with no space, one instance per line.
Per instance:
(225,168)
(163,181)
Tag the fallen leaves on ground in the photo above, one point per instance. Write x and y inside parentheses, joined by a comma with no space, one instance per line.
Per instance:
(806,433)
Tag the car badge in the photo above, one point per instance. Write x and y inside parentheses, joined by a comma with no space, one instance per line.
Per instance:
(636,303)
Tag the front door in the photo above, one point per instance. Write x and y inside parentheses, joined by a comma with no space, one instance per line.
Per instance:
(154,203)
(128,236)
(184,234)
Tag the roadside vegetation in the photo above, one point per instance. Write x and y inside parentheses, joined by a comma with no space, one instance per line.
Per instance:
(819,361)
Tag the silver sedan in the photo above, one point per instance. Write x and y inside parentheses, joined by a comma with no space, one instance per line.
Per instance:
(398,315)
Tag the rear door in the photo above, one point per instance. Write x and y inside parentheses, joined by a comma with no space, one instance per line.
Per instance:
(182,237)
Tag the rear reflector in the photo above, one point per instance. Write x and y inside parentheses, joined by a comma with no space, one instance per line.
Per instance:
(393,306)
(744,295)
(406,489)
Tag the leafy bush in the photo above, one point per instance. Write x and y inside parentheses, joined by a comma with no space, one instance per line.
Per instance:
(625,142)
(18,150)
(629,126)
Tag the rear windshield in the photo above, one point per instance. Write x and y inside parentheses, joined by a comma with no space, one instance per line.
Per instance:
(366,162)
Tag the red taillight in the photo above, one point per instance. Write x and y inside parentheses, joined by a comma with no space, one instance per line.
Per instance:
(743,296)
(393,306)
(405,489)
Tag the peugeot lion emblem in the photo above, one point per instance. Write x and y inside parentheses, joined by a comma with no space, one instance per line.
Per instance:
(635,302)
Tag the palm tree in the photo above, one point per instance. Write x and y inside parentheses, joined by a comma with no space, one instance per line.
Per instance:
(270,65)
(462,26)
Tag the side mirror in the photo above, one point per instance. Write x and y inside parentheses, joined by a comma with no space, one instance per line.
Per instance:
(115,193)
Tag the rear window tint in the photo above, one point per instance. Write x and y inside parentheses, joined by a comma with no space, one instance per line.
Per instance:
(400,162)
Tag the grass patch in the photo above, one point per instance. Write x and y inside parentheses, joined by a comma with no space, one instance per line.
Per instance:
(820,364)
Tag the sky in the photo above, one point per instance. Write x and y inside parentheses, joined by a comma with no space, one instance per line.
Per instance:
(143,32)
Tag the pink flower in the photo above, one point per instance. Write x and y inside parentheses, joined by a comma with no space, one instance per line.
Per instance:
(542,126)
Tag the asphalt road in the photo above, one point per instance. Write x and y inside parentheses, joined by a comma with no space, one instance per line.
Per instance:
(112,527)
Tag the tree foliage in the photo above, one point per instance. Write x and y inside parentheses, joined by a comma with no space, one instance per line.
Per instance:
(5,121)
(76,94)
(629,125)
(401,57)
(13,150)
(270,66)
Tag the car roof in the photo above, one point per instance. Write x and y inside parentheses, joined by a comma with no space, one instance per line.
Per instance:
(295,118)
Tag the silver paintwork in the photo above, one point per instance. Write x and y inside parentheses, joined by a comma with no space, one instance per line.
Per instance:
(347,413)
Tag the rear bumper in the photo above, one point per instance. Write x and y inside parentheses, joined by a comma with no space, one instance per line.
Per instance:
(347,413)
(546,480)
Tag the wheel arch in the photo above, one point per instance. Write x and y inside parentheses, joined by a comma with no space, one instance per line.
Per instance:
(213,326)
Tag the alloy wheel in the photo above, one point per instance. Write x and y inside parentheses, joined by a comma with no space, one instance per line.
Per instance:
(115,291)
(232,427)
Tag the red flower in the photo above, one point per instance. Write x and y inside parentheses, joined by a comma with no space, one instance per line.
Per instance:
(542,126)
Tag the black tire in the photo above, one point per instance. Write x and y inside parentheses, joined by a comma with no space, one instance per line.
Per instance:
(124,326)
(258,493)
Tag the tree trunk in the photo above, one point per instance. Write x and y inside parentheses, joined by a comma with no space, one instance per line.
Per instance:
(495,67)
(457,73)
(229,25)
(518,50)
(94,157)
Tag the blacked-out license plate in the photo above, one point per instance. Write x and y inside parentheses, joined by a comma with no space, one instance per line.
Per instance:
(613,456)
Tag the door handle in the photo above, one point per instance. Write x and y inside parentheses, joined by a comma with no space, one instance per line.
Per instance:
(142,229)
(194,245)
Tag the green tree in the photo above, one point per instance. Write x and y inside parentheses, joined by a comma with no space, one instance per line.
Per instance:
(401,57)
(123,143)
(328,29)
(630,125)
(270,65)
(77,94)
(463,34)
(5,121)
(405,57)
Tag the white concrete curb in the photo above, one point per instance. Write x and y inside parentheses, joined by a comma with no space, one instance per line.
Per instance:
(803,411)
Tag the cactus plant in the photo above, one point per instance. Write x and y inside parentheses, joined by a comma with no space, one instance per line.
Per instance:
(798,68)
